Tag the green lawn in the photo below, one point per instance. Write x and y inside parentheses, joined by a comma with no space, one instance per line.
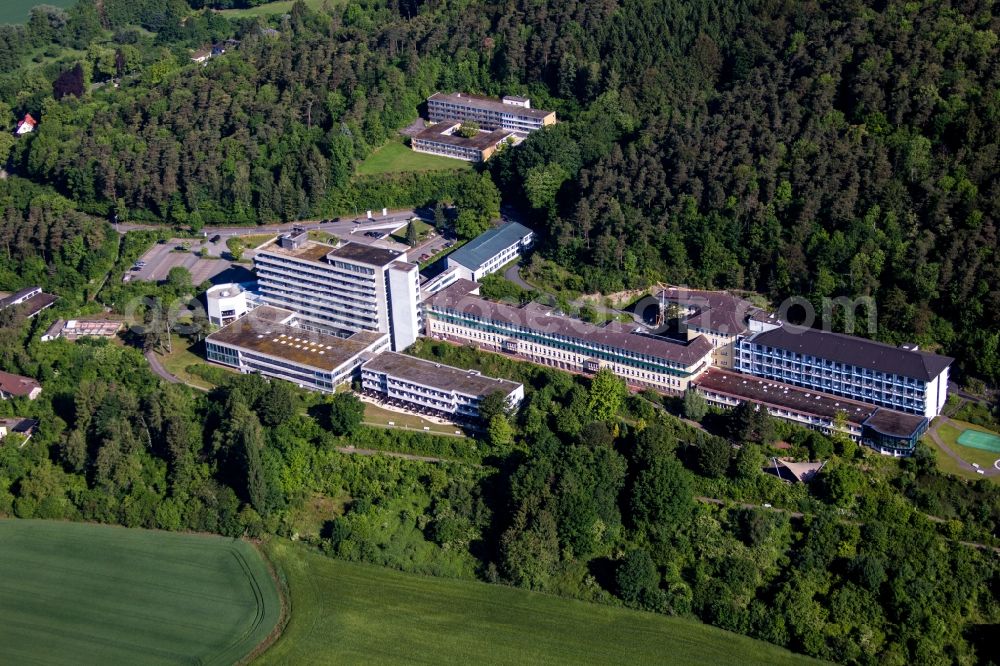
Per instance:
(949,435)
(75,593)
(279,7)
(394,157)
(323,237)
(377,416)
(423,229)
(16,11)
(181,358)
(344,613)
(254,241)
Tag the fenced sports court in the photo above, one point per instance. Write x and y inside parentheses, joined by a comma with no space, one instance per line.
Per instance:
(977,439)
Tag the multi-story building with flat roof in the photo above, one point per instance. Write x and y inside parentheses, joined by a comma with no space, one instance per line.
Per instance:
(900,378)
(271,342)
(342,289)
(510,113)
(444,390)
(443,139)
(538,334)
(491,251)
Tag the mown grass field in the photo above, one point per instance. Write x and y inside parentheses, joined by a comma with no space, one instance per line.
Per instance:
(949,435)
(183,356)
(344,613)
(73,593)
(378,416)
(17,11)
(394,157)
(278,7)
(253,241)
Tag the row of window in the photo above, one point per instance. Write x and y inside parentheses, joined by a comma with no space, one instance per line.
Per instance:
(784,355)
(361,288)
(568,360)
(556,341)
(355,319)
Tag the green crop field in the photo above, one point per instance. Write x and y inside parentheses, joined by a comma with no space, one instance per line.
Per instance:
(81,593)
(344,613)
(394,157)
(16,11)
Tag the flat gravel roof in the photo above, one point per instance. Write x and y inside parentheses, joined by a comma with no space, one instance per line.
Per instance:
(438,376)
(263,332)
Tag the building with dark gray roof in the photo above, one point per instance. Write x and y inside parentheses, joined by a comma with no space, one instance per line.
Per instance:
(887,431)
(718,315)
(539,334)
(510,113)
(901,378)
(441,389)
(30,300)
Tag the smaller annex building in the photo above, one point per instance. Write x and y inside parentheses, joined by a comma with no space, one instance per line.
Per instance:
(227,302)
(491,251)
(443,139)
(269,341)
(22,427)
(885,430)
(75,329)
(442,390)
(30,300)
(17,386)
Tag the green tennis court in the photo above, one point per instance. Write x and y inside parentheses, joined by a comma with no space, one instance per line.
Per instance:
(977,439)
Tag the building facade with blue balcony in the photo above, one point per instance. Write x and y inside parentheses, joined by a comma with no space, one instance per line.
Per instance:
(902,378)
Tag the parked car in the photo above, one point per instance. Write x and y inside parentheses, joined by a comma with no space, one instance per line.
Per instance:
(215,239)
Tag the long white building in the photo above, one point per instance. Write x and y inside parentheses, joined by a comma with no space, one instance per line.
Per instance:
(902,378)
(509,113)
(342,289)
(271,341)
(491,251)
(447,391)
(537,334)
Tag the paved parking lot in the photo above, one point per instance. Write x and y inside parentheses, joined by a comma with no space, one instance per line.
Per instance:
(161,258)
(217,268)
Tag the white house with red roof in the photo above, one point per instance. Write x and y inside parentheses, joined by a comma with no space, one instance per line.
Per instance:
(26,125)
